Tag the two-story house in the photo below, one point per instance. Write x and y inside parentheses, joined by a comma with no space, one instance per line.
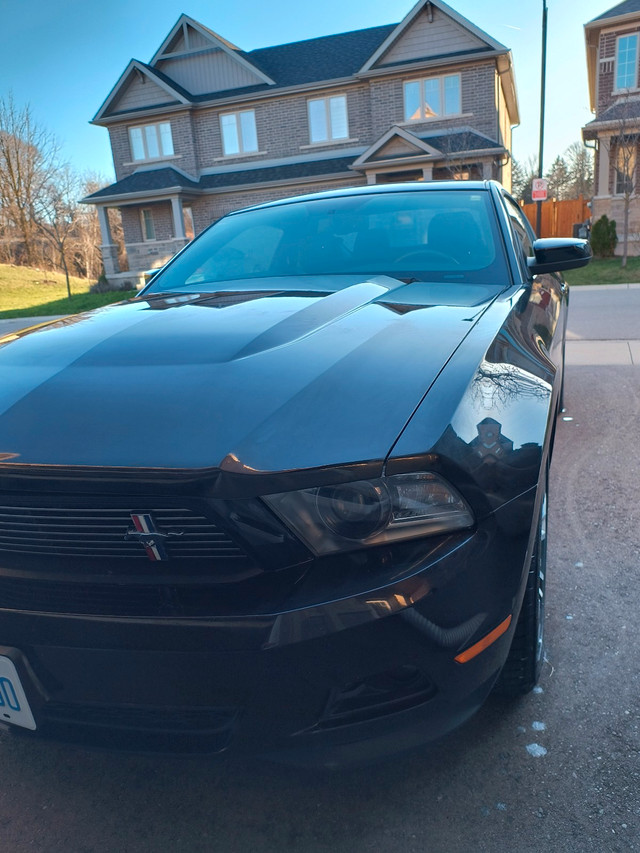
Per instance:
(205,128)
(613,63)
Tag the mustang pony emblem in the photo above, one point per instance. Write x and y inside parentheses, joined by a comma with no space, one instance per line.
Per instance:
(148,535)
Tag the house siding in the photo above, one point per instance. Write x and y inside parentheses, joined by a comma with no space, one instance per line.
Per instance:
(213,71)
(425,38)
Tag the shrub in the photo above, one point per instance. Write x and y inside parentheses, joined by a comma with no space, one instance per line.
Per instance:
(603,237)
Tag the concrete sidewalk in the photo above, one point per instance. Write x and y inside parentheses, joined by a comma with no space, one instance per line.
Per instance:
(14,325)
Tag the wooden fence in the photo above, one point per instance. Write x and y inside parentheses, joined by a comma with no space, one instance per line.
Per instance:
(558,217)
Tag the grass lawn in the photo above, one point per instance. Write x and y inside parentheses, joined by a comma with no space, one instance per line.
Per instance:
(606,271)
(26,292)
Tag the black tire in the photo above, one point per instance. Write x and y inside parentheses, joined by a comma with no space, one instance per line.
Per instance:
(523,666)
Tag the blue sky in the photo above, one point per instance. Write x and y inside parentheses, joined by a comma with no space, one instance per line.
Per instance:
(63,56)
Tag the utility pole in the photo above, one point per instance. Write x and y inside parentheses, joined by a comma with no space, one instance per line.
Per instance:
(542,90)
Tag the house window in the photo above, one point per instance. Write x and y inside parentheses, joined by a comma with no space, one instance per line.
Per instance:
(148,228)
(239,134)
(624,168)
(434,96)
(627,62)
(328,118)
(151,141)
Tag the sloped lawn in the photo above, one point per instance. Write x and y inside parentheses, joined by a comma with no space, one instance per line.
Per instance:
(26,292)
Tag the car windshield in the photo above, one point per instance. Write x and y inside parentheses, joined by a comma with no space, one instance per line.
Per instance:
(445,236)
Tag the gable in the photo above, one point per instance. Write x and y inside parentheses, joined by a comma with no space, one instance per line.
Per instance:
(398,147)
(138,89)
(432,33)
(396,143)
(210,71)
(139,92)
(202,62)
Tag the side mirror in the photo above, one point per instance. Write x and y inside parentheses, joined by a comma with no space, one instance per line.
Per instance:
(554,254)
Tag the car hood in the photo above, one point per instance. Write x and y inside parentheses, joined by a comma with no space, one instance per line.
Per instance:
(261,381)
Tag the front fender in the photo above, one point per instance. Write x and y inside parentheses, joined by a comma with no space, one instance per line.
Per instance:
(486,423)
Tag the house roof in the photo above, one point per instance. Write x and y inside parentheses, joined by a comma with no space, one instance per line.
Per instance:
(165,181)
(313,61)
(323,58)
(150,181)
(625,8)
(621,117)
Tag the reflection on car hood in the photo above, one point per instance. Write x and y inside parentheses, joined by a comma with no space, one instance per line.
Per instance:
(259,381)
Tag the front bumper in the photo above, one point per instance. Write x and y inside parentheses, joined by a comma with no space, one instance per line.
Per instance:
(342,681)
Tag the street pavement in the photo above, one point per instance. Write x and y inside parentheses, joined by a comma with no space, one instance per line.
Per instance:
(558,770)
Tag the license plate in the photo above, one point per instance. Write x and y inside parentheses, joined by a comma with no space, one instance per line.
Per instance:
(14,707)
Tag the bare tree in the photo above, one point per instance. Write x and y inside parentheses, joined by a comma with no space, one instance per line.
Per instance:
(28,162)
(58,213)
(558,179)
(522,178)
(579,161)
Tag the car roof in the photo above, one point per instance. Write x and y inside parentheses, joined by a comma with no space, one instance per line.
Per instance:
(379,189)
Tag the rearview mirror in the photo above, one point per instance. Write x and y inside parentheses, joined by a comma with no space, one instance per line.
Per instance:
(553,254)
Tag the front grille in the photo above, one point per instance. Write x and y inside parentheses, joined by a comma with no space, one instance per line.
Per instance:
(149,600)
(101,532)
(74,554)
(183,730)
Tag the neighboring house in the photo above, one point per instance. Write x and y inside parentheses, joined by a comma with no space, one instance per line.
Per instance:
(613,60)
(205,128)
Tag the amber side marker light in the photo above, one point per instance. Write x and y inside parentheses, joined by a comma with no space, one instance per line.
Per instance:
(484,643)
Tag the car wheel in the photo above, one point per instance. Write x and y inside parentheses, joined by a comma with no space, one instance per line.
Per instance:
(522,669)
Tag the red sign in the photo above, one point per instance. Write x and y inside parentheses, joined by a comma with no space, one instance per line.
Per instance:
(539,189)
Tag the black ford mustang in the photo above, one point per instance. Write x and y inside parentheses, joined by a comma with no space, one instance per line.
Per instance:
(292,498)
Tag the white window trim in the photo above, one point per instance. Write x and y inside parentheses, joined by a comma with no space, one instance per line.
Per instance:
(243,152)
(633,88)
(439,116)
(330,140)
(146,158)
(146,239)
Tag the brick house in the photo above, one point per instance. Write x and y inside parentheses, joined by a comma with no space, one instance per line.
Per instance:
(205,128)
(613,59)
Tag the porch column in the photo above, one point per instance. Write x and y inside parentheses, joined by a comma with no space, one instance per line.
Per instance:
(427,172)
(108,249)
(604,145)
(105,228)
(178,219)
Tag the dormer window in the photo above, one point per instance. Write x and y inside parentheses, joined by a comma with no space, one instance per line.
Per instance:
(151,141)
(627,62)
(432,97)
(239,134)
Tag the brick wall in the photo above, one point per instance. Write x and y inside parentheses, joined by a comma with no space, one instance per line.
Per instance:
(162,221)
(282,127)
(211,207)
(606,65)
(183,145)
(477,83)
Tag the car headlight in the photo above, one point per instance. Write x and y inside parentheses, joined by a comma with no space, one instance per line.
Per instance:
(372,512)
